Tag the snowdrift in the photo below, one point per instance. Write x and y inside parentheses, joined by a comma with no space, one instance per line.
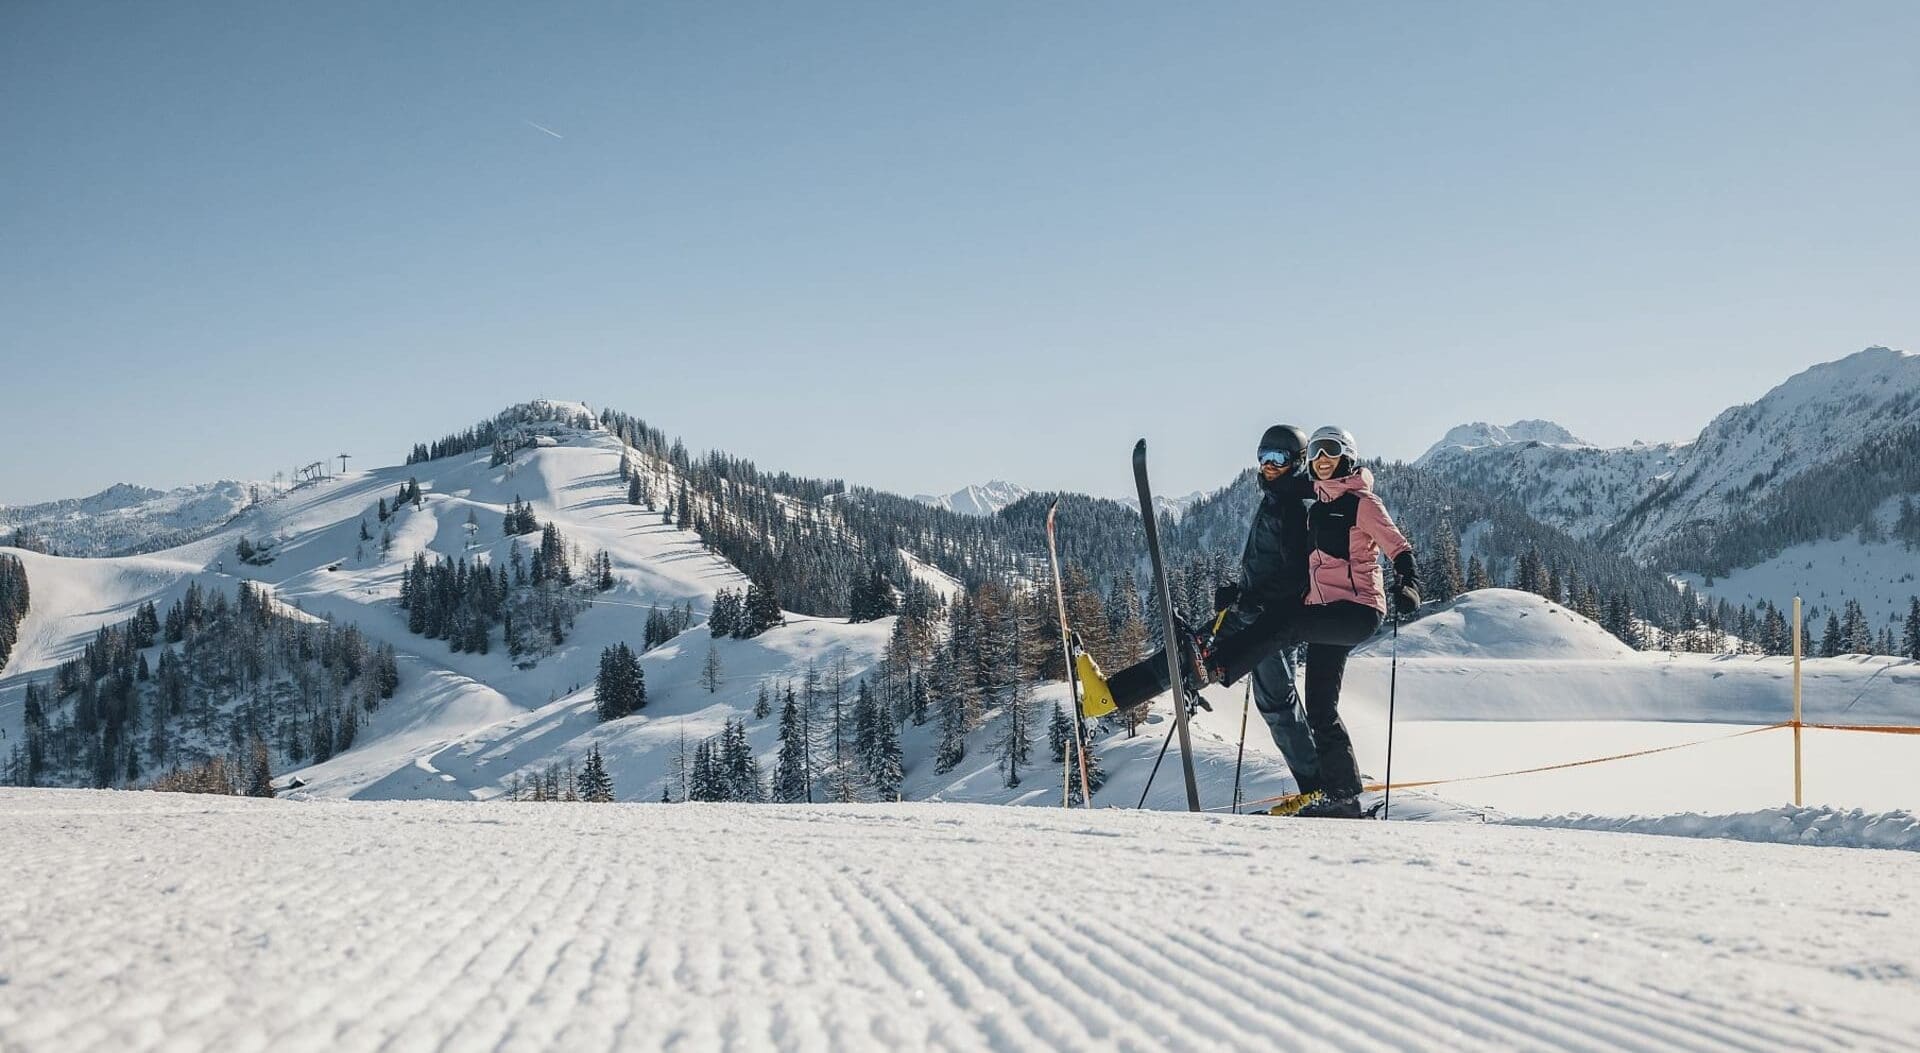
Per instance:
(1505,623)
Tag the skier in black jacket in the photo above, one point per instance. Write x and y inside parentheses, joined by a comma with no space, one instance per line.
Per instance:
(1273,570)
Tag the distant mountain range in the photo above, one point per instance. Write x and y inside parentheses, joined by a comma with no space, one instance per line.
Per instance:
(990,499)
(123,518)
(1830,457)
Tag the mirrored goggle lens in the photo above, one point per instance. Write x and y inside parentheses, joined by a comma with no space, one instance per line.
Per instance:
(1277,458)
(1329,448)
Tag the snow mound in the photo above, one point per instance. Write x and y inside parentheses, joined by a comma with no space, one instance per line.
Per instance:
(1787,825)
(1505,623)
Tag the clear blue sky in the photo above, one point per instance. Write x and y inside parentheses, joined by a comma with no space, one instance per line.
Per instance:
(919,245)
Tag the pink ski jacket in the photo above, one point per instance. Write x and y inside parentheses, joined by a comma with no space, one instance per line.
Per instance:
(1350,528)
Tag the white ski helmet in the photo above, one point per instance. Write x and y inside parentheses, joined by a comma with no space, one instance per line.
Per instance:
(1336,441)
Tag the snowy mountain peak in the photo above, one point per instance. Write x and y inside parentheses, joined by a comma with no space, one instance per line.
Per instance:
(1480,434)
(977,500)
(1177,506)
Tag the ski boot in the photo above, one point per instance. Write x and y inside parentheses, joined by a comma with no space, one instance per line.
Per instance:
(1332,808)
(1195,648)
(1096,698)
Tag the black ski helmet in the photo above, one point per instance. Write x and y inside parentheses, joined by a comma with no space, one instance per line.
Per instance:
(1287,439)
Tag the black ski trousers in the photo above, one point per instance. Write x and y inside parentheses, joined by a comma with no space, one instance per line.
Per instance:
(1331,631)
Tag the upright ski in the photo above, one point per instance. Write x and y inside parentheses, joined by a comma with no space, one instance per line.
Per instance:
(1168,629)
(1079,744)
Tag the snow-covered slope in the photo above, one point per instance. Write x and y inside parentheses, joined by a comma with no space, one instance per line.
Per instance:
(1751,451)
(240,924)
(125,518)
(320,564)
(1683,506)
(977,500)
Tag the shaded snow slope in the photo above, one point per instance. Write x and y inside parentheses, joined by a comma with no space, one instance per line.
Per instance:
(1883,575)
(354,926)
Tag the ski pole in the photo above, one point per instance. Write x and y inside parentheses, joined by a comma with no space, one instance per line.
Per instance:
(1393,683)
(1245,704)
(1164,743)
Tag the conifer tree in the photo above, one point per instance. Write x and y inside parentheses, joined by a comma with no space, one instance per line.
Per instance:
(596,786)
(260,772)
(1855,633)
(1441,579)
(790,773)
(886,772)
(1910,643)
(1477,576)
(1831,641)
(761,704)
(710,671)
(620,688)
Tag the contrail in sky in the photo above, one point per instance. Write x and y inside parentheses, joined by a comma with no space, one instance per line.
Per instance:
(545,129)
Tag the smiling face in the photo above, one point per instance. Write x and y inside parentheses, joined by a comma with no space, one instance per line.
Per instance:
(1324,465)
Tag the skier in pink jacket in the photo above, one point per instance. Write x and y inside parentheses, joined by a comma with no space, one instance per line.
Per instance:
(1344,604)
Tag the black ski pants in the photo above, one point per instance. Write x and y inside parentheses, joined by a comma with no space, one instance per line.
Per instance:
(1330,631)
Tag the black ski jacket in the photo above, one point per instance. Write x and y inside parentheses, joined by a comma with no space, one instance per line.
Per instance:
(1273,565)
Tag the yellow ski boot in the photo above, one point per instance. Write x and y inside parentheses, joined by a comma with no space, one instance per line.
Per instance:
(1096,699)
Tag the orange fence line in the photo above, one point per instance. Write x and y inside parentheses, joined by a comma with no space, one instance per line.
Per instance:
(1378,786)
(1879,729)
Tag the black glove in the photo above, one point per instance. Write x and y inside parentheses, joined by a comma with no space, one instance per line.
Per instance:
(1225,597)
(1406,591)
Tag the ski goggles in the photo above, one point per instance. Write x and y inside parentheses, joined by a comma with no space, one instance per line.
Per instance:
(1277,458)
(1328,448)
